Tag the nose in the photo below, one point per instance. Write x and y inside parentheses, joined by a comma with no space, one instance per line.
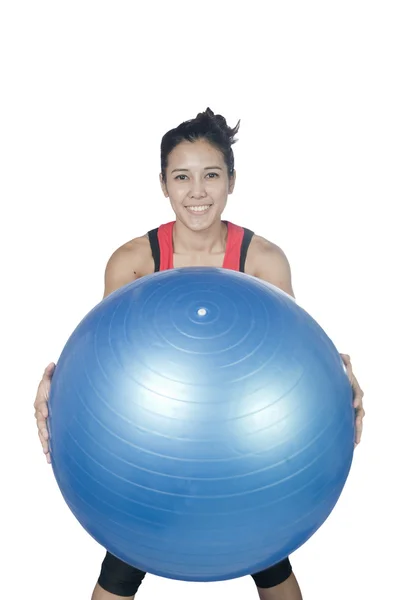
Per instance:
(198,189)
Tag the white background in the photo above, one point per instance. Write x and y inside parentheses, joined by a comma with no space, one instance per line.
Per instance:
(88,89)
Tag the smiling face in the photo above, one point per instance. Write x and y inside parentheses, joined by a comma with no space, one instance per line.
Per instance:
(197,184)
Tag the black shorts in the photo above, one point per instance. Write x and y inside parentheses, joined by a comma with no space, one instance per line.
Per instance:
(121,579)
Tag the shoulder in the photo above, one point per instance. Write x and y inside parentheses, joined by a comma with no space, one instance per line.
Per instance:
(268,261)
(263,252)
(130,261)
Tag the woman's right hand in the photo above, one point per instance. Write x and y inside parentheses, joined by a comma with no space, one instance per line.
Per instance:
(41,408)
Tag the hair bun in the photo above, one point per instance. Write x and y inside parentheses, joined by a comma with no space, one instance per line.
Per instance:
(220,123)
(219,119)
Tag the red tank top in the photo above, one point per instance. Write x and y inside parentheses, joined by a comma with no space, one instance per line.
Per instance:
(238,240)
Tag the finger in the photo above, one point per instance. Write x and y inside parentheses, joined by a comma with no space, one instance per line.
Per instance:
(44,410)
(359,430)
(346,358)
(41,422)
(48,371)
(359,436)
(43,442)
(349,371)
(357,390)
(42,395)
(43,433)
(358,400)
(348,367)
(41,416)
(45,380)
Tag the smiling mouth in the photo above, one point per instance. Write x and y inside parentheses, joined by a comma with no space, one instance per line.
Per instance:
(198,210)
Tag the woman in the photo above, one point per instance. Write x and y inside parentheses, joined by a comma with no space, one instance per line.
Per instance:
(197,175)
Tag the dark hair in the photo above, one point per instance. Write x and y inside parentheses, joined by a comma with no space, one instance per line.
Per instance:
(206,126)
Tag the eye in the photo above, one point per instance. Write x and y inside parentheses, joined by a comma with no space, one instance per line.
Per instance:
(213,175)
(180,177)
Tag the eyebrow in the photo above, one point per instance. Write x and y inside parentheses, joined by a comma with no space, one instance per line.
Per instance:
(206,169)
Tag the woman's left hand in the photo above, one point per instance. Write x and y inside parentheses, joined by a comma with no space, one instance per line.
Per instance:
(357,398)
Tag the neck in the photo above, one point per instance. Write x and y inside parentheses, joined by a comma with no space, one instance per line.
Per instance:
(208,241)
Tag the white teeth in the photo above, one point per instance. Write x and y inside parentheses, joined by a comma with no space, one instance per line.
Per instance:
(199,208)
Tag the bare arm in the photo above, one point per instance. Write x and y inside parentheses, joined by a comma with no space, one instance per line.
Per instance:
(119,271)
(270,263)
(128,263)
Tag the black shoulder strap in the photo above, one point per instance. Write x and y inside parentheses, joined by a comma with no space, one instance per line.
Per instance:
(248,235)
(154,243)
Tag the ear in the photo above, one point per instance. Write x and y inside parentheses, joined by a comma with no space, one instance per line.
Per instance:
(232,182)
(163,186)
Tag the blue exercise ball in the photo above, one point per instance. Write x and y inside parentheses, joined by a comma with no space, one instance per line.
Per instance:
(201,424)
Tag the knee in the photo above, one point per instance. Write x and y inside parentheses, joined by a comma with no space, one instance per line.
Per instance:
(274,575)
(119,578)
